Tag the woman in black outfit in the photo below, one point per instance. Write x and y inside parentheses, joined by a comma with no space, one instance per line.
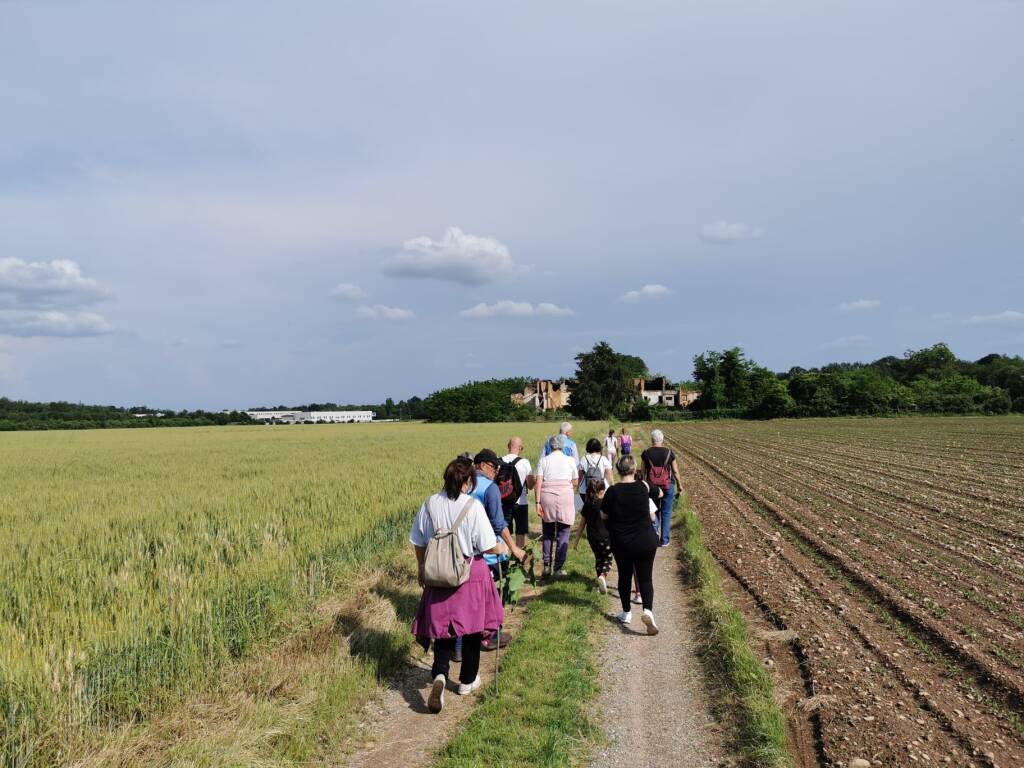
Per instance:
(628,509)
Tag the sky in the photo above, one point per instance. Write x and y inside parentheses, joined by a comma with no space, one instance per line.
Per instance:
(232,204)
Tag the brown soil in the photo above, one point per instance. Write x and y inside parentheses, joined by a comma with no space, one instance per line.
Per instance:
(883,592)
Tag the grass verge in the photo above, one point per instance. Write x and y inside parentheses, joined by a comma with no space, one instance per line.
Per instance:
(537,714)
(747,687)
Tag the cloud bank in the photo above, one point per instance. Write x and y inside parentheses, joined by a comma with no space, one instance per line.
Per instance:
(860,305)
(654,291)
(381,312)
(52,322)
(725,232)
(48,298)
(516,309)
(348,292)
(847,342)
(1009,317)
(457,257)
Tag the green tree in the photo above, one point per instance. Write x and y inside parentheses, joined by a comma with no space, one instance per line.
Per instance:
(604,383)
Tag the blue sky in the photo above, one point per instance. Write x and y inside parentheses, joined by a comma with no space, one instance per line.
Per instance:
(231,204)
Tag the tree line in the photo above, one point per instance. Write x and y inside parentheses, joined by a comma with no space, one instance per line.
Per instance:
(929,380)
(18,415)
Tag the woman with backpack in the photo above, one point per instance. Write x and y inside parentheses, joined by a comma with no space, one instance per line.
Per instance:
(594,466)
(661,470)
(597,533)
(451,533)
(628,509)
(557,476)
(626,442)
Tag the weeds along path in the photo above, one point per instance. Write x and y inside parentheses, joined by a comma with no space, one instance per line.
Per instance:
(654,705)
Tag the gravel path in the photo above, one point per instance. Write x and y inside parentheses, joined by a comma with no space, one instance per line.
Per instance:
(653,705)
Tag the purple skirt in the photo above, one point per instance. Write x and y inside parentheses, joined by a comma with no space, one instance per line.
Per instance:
(473,607)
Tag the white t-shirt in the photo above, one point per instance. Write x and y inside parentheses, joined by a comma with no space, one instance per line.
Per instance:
(595,460)
(524,469)
(475,534)
(557,466)
(611,445)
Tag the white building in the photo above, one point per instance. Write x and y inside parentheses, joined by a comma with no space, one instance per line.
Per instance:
(312,417)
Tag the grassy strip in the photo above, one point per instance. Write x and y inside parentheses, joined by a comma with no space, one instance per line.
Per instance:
(761,726)
(537,715)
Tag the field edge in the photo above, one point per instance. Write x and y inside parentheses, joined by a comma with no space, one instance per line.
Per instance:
(749,702)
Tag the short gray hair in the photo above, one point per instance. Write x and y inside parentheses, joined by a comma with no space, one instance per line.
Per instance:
(564,429)
(556,443)
(657,436)
(626,465)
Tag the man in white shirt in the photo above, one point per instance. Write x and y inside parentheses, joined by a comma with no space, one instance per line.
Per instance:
(517,513)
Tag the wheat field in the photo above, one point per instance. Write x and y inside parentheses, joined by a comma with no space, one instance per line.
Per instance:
(136,563)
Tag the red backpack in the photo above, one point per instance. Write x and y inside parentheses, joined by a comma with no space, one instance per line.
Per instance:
(661,476)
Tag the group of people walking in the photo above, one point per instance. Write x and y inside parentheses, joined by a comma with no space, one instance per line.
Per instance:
(465,534)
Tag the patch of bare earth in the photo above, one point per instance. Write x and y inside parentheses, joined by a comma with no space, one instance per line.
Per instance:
(398,731)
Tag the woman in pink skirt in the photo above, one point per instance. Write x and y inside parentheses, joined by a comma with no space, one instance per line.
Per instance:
(557,477)
(467,611)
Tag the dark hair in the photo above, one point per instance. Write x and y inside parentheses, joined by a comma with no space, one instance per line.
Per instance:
(593,445)
(594,486)
(611,433)
(456,474)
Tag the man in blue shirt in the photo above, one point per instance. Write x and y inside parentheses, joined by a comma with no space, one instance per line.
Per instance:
(570,448)
(487,493)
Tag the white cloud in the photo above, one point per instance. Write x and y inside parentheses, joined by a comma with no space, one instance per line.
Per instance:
(52,322)
(654,291)
(516,309)
(847,342)
(46,285)
(860,305)
(380,312)
(457,257)
(348,292)
(730,232)
(1009,317)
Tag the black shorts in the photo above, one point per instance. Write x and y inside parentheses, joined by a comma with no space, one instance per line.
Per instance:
(518,519)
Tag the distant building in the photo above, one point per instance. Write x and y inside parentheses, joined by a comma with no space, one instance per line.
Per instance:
(148,415)
(661,391)
(312,417)
(544,395)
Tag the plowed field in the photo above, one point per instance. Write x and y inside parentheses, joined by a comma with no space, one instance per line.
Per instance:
(894,550)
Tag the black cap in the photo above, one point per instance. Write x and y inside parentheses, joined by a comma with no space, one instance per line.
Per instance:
(486,456)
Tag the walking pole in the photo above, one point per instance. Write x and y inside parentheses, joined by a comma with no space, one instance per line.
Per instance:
(497,647)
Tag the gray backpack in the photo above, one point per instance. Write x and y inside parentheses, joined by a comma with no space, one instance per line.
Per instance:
(445,564)
(594,472)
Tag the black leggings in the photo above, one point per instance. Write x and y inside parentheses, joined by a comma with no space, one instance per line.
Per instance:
(445,648)
(642,564)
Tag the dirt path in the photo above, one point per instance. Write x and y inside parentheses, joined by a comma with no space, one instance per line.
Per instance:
(653,704)
(394,726)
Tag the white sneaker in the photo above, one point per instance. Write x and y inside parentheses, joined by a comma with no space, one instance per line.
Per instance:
(560,572)
(467,688)
(435,701)
(625,617)
(602,585)
(648,619)
(635,600)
